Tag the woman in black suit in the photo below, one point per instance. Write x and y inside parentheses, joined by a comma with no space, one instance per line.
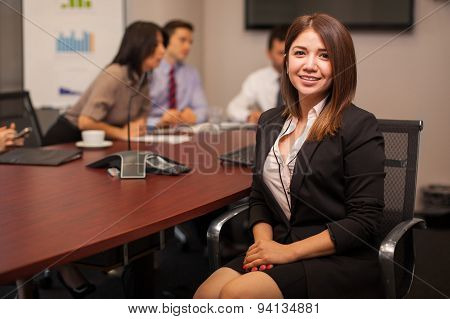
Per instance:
(318,183)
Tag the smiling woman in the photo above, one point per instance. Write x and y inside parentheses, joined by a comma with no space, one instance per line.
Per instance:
(309,68)
(321,48)
(318,181)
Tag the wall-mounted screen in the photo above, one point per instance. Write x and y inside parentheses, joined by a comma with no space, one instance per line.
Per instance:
(356,14)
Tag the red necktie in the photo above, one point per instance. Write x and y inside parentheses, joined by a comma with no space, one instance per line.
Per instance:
(172,89)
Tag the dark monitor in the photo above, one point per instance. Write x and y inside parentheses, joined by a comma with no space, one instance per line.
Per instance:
(355,14)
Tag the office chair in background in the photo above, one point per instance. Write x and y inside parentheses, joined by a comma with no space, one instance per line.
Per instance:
(396,250)
(17,107)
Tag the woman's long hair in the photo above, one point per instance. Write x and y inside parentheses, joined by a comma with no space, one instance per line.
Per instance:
(339,46)
(138,42)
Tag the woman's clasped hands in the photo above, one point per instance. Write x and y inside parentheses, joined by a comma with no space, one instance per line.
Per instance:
(264,254)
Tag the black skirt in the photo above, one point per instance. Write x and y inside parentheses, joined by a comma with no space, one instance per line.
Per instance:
(63,131)
(290,278)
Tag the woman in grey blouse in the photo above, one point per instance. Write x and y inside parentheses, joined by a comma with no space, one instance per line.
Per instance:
(104,105)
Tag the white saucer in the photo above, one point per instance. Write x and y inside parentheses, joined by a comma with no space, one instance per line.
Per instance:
(101,145)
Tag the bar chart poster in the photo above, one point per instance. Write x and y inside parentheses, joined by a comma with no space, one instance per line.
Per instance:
(66,45)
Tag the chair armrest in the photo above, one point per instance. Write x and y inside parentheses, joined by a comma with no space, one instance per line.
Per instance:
(214,229)
(387,252)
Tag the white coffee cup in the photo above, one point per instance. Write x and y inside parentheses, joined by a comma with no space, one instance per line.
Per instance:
(93,137)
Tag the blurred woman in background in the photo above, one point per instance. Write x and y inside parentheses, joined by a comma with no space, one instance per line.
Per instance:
(104,105)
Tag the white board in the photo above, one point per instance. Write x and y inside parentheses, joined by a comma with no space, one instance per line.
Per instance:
(66,44)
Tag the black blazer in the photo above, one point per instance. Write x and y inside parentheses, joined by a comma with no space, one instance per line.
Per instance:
(337,184)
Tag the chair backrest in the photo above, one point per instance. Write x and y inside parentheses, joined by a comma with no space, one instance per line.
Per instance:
(16,107)
(401,148)
(401,140)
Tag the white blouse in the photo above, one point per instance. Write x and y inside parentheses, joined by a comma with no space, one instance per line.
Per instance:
(277,173)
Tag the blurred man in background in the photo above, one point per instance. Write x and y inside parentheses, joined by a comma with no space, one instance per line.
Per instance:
(176,90)
(261,89)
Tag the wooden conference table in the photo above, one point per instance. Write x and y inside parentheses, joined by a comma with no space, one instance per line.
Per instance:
(54,215)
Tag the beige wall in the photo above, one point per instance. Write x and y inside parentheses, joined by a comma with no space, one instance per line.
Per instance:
(230,52)
(409,78)
(406,78)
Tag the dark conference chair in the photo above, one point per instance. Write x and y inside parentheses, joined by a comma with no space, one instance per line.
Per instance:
(16,107)
(396,250)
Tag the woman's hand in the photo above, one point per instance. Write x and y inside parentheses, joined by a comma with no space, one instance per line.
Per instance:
(7,137)
(267,253)
(137,128)
(15,141)
(4,137)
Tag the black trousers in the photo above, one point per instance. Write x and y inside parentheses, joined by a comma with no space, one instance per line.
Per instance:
(138,278)
(63,131)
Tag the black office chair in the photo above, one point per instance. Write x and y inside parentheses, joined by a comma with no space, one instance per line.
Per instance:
(17,107)
(396,250)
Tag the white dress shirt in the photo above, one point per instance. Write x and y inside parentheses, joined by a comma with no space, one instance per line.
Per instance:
(277,173)
(259,90)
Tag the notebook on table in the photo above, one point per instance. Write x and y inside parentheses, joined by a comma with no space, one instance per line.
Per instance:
(39,156)
(244,156)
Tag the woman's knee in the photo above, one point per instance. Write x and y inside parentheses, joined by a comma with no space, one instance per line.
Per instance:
(211,288)
(205,292)
(251,286)
(234,290)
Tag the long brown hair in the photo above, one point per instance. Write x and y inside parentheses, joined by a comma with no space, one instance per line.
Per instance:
(339,46)
(138,42)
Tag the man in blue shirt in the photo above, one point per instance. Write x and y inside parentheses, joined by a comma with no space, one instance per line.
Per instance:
(176,90)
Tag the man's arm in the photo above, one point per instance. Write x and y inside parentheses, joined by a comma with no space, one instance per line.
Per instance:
(238,109)
(198,102)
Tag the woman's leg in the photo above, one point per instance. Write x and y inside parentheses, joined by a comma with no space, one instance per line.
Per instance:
(62,131)
(26,289)
(73,280)
(72,276)
(211,287)
(226,283)
(252,285)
